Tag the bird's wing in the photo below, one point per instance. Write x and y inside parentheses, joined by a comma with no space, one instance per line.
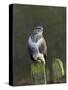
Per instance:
(43,48)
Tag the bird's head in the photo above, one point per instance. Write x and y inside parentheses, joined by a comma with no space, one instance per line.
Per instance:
(38,30)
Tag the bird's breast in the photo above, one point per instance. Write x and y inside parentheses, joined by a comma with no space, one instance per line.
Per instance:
(31,43)
(35,44)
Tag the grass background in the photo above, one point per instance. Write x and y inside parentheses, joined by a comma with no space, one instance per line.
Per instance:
(25,17)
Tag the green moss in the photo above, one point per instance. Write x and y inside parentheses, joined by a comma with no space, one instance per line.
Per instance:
(37,67)
(57,69)
(38,73)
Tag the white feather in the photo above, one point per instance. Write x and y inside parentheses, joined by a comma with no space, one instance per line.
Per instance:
(36,45)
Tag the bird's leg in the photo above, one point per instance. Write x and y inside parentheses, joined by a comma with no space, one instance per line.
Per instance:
(39,58)
(35,56)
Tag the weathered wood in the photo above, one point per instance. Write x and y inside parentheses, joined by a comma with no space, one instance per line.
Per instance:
(38,73)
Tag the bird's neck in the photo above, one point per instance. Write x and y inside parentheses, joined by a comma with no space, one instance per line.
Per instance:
(36,37)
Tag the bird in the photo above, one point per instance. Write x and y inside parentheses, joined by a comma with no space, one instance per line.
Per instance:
(37,45)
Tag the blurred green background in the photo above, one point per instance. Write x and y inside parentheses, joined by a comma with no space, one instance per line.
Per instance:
(25,17)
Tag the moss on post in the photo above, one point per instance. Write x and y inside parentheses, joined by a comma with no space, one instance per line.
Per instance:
(38,73)
(57,70)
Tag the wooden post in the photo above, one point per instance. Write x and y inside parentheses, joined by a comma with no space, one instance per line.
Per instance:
(57,70)
(38,74)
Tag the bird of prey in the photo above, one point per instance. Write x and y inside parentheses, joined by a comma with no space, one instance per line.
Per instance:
(37,45)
